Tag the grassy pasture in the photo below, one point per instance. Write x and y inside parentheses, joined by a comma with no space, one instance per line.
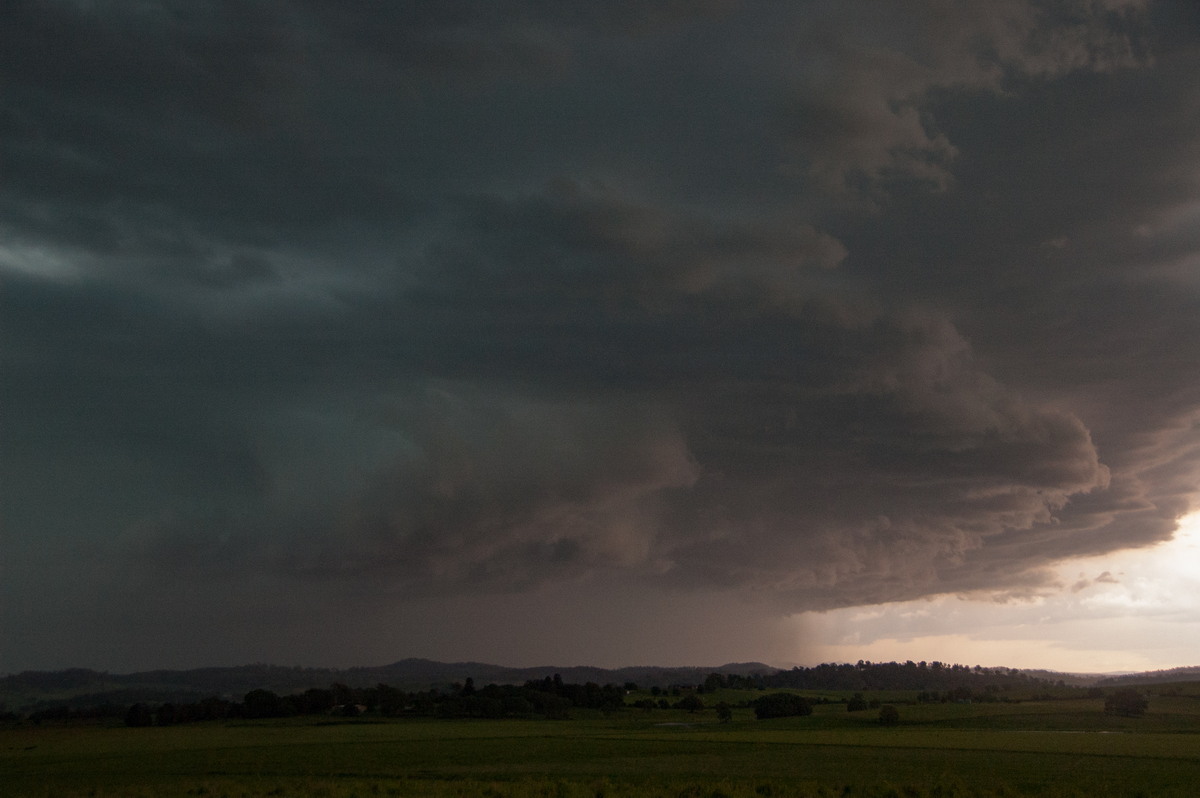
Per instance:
(1052,748)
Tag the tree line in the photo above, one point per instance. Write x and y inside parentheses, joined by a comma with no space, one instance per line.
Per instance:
(550,698)
(865,675)
(927,676)
(553,698)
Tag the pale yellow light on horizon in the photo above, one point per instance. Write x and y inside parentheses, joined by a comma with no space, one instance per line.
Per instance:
(1130,610)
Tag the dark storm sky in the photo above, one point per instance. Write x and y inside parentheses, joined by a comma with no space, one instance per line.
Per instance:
(343,332)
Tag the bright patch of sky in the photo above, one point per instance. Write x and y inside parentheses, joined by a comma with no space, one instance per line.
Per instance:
(1124,611)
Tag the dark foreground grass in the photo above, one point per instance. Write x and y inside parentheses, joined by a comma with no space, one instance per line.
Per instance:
(628,754)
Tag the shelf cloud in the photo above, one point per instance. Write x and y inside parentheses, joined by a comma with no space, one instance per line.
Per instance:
(810,305)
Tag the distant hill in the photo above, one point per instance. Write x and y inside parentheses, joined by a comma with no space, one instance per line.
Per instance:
(79,687)
(1073,679)
(1189,674)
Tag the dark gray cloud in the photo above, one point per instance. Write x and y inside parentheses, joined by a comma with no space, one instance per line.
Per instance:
(808,305)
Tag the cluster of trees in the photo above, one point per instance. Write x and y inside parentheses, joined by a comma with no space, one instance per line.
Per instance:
(927,676)
(587,695)
(732,681)
(1126,702)
(789,705)
(781,705)
(171,713)
(97,712)
(690,701)
(858,703)
(990,694)
(548,698)
(889,715)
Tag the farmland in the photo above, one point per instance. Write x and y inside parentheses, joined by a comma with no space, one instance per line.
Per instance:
(1064,747)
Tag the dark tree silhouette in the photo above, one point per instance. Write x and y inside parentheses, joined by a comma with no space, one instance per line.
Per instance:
(1126,702)
(781,705)
(262,704)
(139,715)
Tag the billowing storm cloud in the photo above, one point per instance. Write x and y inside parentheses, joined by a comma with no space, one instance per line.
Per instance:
(413,305)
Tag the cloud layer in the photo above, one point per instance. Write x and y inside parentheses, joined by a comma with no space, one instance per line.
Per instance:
(813,305)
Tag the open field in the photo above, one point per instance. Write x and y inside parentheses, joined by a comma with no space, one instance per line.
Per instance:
(1037,748)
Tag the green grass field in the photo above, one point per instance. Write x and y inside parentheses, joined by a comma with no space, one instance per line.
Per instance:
(1050,748)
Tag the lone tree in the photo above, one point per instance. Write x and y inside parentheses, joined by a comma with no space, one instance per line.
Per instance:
(262,703)
(724,712)
(889,715)
(780,705)
(1126,702)
(139,715)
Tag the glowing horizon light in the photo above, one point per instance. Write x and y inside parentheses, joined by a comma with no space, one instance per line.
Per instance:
(1127,610)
